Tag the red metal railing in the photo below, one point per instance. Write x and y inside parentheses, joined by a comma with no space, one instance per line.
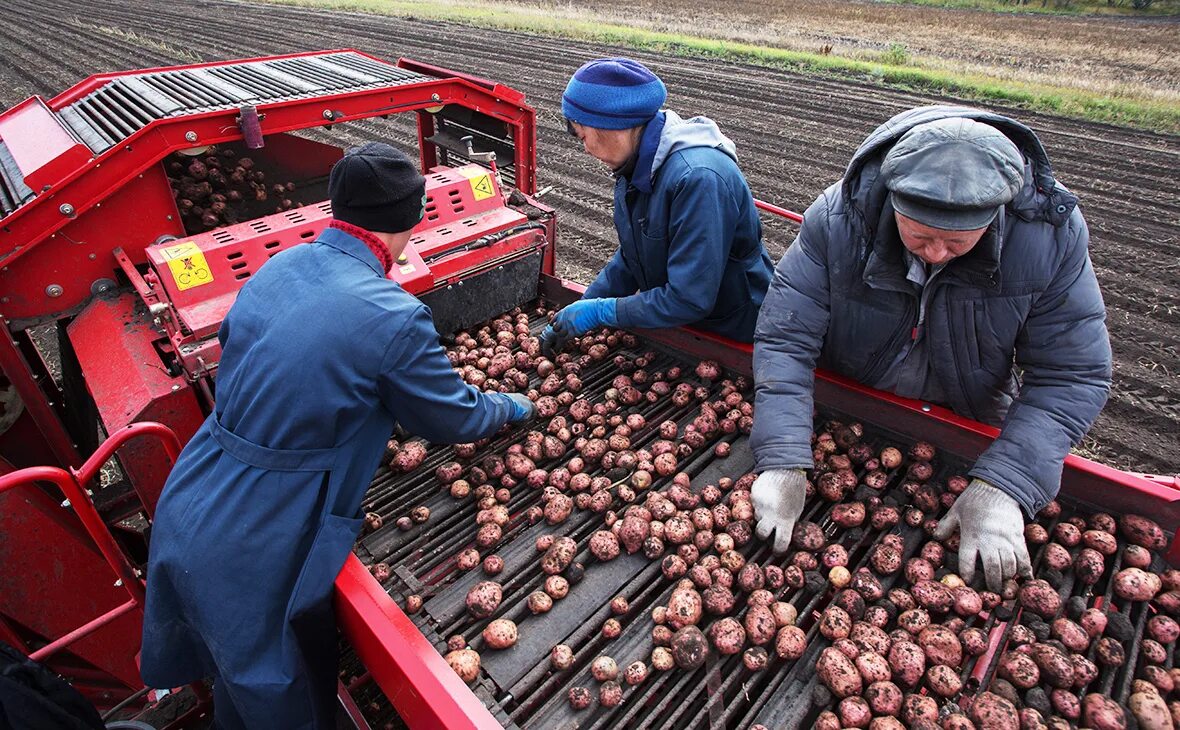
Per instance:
(72,485)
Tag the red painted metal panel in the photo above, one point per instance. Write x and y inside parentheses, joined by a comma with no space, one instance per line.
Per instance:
(114,341)
(411,673)
(42,148)
(61,274)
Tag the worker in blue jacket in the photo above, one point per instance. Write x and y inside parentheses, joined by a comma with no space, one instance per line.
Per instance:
(321,356)
(947,258)
(690,240)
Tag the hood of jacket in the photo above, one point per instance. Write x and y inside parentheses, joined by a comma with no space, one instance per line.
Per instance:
(668,133)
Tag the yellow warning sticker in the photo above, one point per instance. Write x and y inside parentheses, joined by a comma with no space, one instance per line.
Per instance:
(481,182)
(187,264)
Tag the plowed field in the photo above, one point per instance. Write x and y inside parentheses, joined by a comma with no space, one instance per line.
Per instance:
(794,135)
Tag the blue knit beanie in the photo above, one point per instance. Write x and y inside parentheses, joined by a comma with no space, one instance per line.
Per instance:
(613,93)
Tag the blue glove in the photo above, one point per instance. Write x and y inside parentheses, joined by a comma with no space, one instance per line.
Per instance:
(551,342)
(584,315)
(522,408)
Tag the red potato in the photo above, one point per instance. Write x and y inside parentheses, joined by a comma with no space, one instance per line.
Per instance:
(684,608)
(500,633)
(1055,667)
(933,596)
(907,663)
(835,623)
(838,673)
(1141,531)
(884,698)
(872,667)
(1040,598)
(662,659)
(561,657)
(920,711)
(604,668)
(540,602)
(689,648)
(484,598)
(727,636)
(943,680)
(559,555)
(940,645)
(989,711)
(1150,711)
(604,545)
(790,643)
(465,662)
(557,587)
(635,673)
(854,712)
(1135,584)
(760,625)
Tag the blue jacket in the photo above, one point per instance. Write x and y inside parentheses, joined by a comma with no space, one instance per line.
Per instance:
(1026,295)
(321,355)
(690,240)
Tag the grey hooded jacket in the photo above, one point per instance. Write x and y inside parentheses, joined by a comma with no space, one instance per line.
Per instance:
(1025,296)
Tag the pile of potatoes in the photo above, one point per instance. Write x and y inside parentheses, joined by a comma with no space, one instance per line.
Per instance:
(897,626)
(211,190)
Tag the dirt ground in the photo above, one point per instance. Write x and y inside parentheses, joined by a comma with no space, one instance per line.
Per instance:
(1131,56)
(794,135)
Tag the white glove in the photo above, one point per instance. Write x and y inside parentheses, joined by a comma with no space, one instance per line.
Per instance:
(991,526)
(778,497)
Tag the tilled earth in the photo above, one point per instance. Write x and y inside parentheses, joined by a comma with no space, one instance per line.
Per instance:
(794,135)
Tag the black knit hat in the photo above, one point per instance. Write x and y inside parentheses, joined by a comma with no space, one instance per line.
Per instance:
(378,188)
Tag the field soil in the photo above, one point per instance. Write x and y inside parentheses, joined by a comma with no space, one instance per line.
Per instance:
(794,135)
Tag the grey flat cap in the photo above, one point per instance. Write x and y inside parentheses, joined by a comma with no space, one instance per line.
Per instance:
(953,174)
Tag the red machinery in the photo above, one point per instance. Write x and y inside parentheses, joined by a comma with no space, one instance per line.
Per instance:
(94,254)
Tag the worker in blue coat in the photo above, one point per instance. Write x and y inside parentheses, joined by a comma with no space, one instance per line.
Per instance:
(321,356)
(690,240)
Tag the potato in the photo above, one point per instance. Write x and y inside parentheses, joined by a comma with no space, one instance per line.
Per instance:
(1109,652)
(790,643)
(872,667)
(760,625)
(559,555)
(940,645)
(808,536)
(838,673)
(974,641)
(1040,598)
(1069,633)
(989,711)
(854,712)
(907,663)
(561,657)
(870,638)
(500,634)
(1089,565)
(1163,629)
(1136,584)
(1093,621)
(917,709)
(484,598)
(1056,668)
(785,613)
(728,636)
(1066,704)
(1143,532)
(933,596)
(604,545)
(465,662)
(943,680)
(1150,711)
(835,623)
(884,698)
(689,648)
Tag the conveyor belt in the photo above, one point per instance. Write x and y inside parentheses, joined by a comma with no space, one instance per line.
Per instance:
(13,191)
(519,686)
(127,104)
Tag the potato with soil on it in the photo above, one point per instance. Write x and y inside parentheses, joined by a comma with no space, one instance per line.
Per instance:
(1143,532)
(684,608)
(580,698)
(790,642)
(1136,584)
(1150,711)
(943,680)
(561,657)
(484,598)
(465,662)
(989,711)
(872,667)
(1019,669)
(760,625)
(559,555)
(854,712)
(604,545)
(1102,713)
(1041,598)
(500,633)
(727,636)
(838,673)
(884,698)
(689,647)
(907,663)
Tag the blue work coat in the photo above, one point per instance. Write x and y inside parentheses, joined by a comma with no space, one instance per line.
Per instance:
(690,240)
(321,356)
